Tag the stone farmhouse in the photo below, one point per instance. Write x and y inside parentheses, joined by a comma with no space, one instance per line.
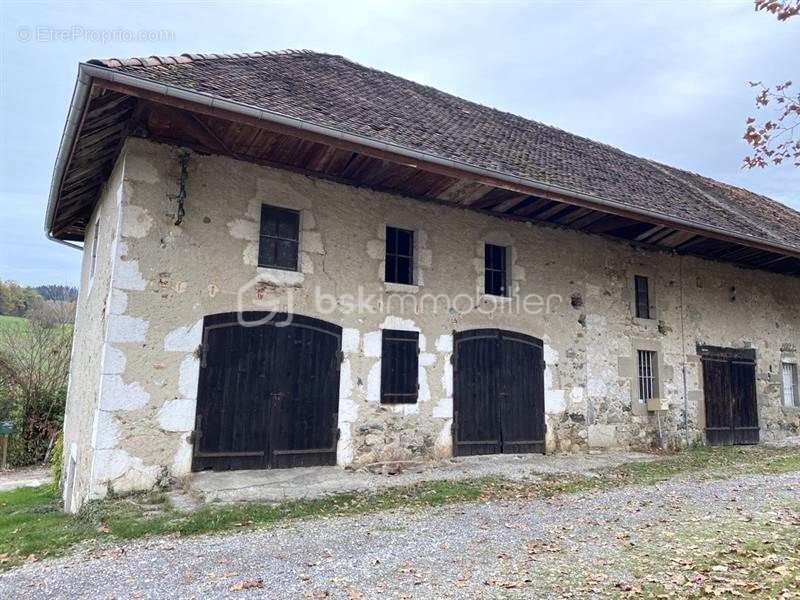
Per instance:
(290,259)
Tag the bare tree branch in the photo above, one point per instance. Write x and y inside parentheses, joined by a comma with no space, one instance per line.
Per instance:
(775,140)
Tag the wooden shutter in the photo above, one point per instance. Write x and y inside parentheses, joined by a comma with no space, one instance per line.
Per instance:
(399,367)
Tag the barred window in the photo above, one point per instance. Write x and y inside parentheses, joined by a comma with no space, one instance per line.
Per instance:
(646,374)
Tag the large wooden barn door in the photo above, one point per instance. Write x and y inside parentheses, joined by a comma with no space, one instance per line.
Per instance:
(268,394)
(476,391)
(522,402)
(729,387)
(498,393)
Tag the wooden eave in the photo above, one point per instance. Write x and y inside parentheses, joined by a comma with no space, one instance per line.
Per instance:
(115,111)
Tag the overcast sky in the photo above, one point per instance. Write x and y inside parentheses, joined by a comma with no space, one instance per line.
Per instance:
(664,80)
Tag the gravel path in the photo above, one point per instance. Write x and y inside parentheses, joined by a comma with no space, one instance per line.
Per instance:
(521,548)
(23,477)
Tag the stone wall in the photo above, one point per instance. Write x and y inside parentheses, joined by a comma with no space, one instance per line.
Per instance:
(167,277)
(82,420)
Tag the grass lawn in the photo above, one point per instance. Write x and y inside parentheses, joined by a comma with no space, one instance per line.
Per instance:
(7,321)
(32,525)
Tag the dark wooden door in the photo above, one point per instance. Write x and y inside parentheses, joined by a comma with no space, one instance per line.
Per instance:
(268,394)
(729,387)
(522,399)
(476,390)
(498,393)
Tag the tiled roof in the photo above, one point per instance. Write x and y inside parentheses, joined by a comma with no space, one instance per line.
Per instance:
(332,91)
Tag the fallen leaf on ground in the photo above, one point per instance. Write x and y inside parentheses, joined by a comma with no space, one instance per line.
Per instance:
(247,584)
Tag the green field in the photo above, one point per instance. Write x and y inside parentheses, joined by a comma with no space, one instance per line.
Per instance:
(6,321)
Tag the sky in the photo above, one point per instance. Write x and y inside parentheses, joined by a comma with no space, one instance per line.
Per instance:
(664,80)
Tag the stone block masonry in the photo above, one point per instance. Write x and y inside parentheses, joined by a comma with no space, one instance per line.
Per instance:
(131,405)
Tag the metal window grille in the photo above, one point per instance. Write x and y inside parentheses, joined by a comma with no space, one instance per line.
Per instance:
(791,393)
(647,375)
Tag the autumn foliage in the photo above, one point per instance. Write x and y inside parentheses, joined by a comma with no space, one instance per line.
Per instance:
(777,139)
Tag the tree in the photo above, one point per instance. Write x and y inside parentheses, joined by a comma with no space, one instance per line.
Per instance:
(34,366)
(775,139)
(63,293)
(15,300)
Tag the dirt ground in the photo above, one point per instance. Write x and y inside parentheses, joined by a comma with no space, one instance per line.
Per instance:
(23,477)
(687,536)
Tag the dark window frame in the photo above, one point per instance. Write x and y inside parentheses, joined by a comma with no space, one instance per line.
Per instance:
(280,217)
(495,270)
(399,367)
(641,297)
(399,265)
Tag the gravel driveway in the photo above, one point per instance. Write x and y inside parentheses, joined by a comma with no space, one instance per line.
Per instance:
(521,548)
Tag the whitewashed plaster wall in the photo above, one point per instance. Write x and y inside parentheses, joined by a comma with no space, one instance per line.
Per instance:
(166,278)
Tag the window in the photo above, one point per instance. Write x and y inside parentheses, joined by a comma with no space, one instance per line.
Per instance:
(642,291)
(399,367)
(95,241)
(646,375)
(495,274)
(399,256)
(278,242)
(791,391)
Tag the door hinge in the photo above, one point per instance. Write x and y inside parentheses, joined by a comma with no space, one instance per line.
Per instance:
(338,434)
(192,437)
(340,356)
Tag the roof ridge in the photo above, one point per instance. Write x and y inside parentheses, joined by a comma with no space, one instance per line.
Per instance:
(187,57)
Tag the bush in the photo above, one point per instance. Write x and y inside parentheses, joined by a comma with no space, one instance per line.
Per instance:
(57,462)
(34,364)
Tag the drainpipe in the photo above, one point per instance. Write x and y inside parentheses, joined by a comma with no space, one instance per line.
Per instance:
(683,366)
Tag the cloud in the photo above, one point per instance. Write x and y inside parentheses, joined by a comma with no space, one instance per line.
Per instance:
(664,80)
